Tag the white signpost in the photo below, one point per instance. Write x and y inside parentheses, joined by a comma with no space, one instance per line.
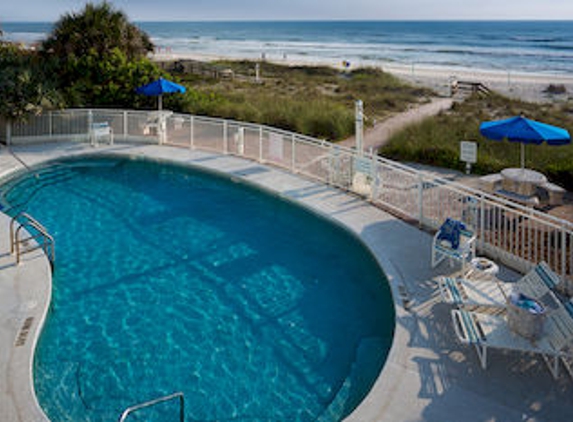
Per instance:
(468,153)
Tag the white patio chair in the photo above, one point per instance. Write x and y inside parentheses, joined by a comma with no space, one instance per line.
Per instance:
(453,241)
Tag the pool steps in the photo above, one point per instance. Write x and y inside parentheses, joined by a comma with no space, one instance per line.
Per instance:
(42,179)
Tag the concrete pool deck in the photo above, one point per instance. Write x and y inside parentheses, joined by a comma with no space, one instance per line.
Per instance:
(428,375)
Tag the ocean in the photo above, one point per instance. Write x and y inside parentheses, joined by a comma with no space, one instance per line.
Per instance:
(544,47)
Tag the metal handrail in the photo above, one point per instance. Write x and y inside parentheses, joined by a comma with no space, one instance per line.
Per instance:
(44,240)
(153,402)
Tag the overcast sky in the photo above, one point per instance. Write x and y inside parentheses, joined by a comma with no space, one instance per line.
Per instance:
(190,10)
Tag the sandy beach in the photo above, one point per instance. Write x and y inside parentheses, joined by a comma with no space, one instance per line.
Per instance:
(525,86)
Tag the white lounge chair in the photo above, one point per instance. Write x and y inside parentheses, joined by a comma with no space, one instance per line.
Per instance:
(485,331)
(463,292)
(487,291)
(453,241)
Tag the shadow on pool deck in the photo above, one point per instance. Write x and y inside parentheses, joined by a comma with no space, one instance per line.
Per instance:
(449,381)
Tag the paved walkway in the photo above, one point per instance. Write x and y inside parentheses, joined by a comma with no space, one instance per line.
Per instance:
(428,375)
(378,135)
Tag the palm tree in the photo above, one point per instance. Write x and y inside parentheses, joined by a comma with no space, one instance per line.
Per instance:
(97,27)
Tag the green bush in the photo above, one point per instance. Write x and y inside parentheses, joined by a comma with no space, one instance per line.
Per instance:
(327,121)
(26,87)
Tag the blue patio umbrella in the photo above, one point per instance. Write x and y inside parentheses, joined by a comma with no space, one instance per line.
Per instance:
(158,88)
(525,131)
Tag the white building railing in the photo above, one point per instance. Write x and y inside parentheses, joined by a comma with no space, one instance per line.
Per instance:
(508,232)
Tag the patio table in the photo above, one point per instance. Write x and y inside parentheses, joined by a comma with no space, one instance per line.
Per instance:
(522,181)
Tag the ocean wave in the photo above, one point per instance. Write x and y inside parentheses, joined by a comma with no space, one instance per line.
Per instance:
(560,47)
(495,45)
(538,39)
(25,37)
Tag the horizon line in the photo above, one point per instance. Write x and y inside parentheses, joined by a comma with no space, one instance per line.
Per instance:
(315,20)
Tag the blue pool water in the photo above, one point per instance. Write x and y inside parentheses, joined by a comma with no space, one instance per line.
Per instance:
(171,279)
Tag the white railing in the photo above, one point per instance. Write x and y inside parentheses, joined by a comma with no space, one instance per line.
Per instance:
(508,232)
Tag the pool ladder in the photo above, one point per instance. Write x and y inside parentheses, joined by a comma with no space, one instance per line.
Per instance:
(150,403)
(23,229)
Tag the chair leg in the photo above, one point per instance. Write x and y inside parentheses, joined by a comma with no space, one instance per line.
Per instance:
(567,365)
(482,355)
(437,257)
(553,365)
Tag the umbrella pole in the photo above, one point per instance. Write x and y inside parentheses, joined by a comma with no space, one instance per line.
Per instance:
(160,102)
(522,155)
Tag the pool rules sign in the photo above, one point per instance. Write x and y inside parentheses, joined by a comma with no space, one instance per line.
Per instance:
(468,153)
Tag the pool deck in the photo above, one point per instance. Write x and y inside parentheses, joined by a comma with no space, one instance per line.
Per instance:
(428,376)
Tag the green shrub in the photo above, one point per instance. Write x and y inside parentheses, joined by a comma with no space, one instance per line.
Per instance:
(327,121)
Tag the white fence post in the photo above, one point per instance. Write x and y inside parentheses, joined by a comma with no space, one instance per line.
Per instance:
(125,125)
(563,253)
(192,132)
(8,132)
(373,172)
(481,241)
(292,154)
(90,119)
(260,144)
(50,124)
(225,137)
(420,200)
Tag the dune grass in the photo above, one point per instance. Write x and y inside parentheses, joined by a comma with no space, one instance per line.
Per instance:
(313,100)
(436,140)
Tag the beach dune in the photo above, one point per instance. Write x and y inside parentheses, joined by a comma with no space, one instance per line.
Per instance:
(519,85)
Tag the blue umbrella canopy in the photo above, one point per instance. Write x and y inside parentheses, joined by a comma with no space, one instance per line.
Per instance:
(525,131)
(159,87)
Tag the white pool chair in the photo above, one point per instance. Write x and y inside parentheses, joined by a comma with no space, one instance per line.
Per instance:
(453,241)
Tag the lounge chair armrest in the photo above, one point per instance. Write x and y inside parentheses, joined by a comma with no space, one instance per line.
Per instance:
(457,322)
(465,328)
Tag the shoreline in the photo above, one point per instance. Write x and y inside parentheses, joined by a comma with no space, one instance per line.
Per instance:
(516,85)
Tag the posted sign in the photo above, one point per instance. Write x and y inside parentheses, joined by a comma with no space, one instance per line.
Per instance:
(468,152)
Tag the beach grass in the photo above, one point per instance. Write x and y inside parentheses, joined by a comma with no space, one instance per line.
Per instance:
(436,140)
(317,101)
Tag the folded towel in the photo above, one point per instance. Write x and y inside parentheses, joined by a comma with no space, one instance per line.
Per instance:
(451,231)
(526,302)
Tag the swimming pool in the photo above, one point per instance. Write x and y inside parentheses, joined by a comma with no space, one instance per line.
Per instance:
(170,279)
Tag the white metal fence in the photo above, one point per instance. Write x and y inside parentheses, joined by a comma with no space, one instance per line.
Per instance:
(513,234)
